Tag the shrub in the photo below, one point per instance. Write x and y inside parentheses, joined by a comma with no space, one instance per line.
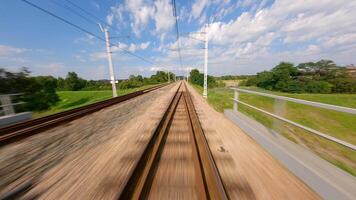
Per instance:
(318,87)
(295,86)
(198,78)
(344,85)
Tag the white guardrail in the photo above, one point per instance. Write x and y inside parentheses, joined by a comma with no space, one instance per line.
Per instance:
(305,102)
(6,105)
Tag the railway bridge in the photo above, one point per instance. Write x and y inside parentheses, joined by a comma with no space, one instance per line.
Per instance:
(165,142)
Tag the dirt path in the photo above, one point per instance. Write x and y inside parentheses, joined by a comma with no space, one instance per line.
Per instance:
(247,170)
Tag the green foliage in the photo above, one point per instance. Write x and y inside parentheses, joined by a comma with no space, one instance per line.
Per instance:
(161,77)
(237,77)
(39,93)
(133,82)
(323,76)
(198,78)
(322,87)
(344,85)
(97,85)
(73,82)
(139,81)
(75,99)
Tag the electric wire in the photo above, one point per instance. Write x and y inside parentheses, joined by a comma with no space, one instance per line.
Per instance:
(73,11)
(88,13)
(174,8)
(84,30)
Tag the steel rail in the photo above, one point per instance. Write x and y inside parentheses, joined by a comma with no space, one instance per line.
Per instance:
(22,130)
(136,186)
(140,179)
(214,184)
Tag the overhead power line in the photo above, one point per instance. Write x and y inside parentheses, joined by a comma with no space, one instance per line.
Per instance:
(73,11)
(174,8)
(98,20)
(87,12)
(83,30)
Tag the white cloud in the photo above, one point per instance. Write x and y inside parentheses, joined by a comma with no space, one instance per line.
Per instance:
(6,51)
(50,68)
(322,24)
(110,19)
(313,49)
(102,55)
(344,39)
(135,47)
(144,45)
(87,39)
(98,56)
(154,69)
(309,29)
(80,58)
(140,13)
(295,20)
(116,13)
(163,16)
(96,5)
(198,7)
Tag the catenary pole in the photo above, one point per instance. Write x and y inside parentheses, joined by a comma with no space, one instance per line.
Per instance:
(169,78)
(111,69)
(205,92)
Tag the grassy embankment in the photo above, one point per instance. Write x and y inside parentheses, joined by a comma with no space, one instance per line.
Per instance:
(74,99)
(336,124)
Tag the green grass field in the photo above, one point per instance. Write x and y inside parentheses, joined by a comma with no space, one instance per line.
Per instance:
(336,124)
(74,99)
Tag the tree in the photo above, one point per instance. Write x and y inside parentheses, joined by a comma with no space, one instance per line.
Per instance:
(283,74)
(198,78)
(73,82)
(161,77)
(321,70)
(323,76)
(39,93)
(61,84)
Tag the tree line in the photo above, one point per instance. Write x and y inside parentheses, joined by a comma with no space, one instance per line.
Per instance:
(323,76)
(197,78)
(39,92)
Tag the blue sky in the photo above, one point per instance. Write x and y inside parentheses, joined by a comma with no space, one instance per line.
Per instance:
(245,36)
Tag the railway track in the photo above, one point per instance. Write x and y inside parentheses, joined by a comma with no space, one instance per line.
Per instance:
(15,132)
(177,162)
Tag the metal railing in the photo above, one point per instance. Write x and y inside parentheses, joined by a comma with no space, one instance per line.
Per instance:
(300,101)
(7,107)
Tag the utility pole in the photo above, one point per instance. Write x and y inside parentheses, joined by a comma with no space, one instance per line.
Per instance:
(169,78)
(187,74)
(205,92)
(108,51)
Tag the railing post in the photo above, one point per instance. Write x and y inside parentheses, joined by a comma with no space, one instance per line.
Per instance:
(8,108)
(236,97)
(279,108)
